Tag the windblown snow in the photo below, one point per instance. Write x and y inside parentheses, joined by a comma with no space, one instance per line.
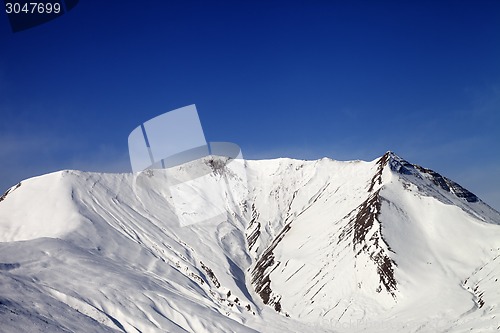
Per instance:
(277,246)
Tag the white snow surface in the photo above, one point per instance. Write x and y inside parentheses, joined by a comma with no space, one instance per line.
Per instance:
(302,246)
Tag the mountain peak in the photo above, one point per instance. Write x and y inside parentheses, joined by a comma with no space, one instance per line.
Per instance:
(420,176)
(407,169)
(389,157)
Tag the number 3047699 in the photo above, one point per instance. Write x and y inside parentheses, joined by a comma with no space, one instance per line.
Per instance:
(32,8)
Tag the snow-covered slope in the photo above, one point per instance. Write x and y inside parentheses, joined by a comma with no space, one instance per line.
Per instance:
(301,246)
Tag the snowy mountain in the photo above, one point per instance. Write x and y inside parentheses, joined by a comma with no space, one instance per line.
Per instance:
(271,246)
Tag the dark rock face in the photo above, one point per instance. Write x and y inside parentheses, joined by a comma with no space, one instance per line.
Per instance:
(211,275)
(260,273)
(218,165)
(403,167)
(254,226)
(461,192)
(381,163)
(361,221)
(449,185)
(2,198)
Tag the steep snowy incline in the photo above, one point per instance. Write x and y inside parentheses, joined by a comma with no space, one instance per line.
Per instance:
(265,246)
(302,209)
(377,242)
(110,247)
(440,234)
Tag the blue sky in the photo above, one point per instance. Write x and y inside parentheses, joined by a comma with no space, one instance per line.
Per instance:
(302,79)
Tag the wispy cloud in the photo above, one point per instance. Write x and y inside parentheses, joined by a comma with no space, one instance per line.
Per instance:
(25,156)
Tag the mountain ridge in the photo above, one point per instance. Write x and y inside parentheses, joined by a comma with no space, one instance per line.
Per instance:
(305,246)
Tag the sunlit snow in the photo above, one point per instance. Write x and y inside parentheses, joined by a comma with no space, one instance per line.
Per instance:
(304,246)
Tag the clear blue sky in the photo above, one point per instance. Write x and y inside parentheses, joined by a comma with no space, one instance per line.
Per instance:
(302,79)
